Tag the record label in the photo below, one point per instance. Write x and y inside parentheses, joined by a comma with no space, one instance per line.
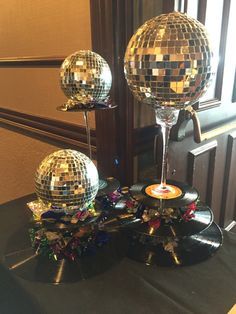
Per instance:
(170,192)
(188,195)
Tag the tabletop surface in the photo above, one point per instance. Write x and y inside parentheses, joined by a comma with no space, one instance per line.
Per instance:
(127,287)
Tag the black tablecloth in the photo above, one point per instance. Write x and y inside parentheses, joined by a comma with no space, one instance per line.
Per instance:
(128,287)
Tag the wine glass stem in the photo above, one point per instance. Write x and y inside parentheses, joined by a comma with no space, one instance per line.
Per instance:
(88,133)
(165,129)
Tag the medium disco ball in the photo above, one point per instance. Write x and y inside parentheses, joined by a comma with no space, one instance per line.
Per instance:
(85,77)
(168,61)
(66,178)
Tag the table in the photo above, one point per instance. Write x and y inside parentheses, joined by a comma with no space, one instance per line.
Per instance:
(128,287)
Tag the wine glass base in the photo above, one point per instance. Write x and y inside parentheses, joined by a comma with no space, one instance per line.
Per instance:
(169,192)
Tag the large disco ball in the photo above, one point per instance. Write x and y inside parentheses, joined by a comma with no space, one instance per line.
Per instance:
(85,77)
(168,61)
(66,178)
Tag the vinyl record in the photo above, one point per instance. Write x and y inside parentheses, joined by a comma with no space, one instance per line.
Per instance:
(21,259)
(82,108)
(117,220)
(202,219)
(189,195)
(107,186)
(67,225)
(188,250)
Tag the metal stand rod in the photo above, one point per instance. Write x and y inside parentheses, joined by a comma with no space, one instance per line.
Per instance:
(88,133)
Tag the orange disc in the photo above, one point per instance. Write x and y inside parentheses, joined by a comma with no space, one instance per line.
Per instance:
(170,192)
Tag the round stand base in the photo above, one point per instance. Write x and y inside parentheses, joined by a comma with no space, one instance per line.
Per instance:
(22,260)
(184,251)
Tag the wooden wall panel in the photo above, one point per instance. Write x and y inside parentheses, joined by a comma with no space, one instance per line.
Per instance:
(228,192)
(112,27)
(210,168)
(201,168)
(71,135)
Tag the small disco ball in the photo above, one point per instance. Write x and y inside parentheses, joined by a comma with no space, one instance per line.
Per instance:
(85,77)
(168,61)
(66,179)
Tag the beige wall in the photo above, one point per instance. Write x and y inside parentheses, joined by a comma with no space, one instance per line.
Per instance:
(35,28)
(20,155)
(36,91)
(40,28)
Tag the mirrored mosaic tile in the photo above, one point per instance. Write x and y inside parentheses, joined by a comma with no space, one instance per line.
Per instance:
(85,77)
(66,178)
(168,61)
